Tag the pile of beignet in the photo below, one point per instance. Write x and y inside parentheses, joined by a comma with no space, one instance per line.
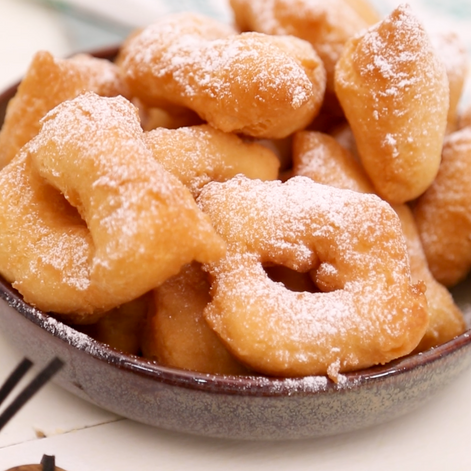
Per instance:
(288,195)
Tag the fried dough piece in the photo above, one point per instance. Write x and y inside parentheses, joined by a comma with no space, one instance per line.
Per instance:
(443,212)
(464,120)
(325,25)
(395,94)
(177,334)
(122,327)
(446,319)
(252,83)
(366,10)
(344,136)
(319,157)
(138,224)
(173,117)
(354,244)
(48,82)
(452,51)
(200,154)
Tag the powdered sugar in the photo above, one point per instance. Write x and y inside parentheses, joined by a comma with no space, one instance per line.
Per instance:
(200,66)
(346,238)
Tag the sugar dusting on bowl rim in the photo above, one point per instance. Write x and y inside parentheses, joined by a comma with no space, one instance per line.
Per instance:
(233,385)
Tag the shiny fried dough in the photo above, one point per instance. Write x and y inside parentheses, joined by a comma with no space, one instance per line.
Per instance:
(355,247)
(177,334)
(252,83)
(200,154)
(325,25)
(443,212)
(366,10)
(47,83)
(464,119)
(122,327)
(452,51)
(394,91)
(446,319)
(319,157)
(91,150)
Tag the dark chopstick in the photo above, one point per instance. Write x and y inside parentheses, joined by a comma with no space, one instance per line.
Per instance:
(32,388)
(14,378)
(48,463)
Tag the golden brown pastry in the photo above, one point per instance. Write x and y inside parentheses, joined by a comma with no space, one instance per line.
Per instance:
(200,154)
(48,82)
(452,51)
(354,245)
(319,157)
(252,83)
(176,333)
(366,10)
(395,94)
(443,212)
(122,327)
(464,119)
(326,25)
(89,219)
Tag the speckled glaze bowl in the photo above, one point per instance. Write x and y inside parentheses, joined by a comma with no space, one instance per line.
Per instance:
(228,406)
(231,407)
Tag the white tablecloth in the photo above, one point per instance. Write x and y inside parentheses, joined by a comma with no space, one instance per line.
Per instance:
(85,438)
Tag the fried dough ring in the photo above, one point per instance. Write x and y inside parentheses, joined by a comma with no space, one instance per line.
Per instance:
(251,83)
(200,154)
(370,312)
(48,82)
(141,224)
(176,333)
(395,94)
(319,157)
(443,212)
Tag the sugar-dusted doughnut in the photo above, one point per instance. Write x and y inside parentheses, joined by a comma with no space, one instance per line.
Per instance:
(395,94)
(368,312)
(325,25)
(123,225)
(48,82)
(250,83)
(319,157)
(200,154)
(176,333)
(443,212)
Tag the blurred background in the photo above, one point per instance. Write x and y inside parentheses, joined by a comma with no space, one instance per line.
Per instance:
(67,26)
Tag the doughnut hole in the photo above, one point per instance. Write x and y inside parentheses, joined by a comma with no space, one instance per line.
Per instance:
(292,280)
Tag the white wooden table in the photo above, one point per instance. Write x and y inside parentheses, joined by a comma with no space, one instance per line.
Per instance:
(85,438)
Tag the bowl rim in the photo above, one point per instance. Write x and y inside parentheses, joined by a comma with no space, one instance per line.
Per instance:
(247,385)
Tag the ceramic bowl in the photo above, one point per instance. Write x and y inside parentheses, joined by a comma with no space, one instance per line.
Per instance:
(242,407)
